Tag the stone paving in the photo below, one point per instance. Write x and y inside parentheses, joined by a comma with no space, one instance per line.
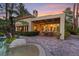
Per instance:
(56,47)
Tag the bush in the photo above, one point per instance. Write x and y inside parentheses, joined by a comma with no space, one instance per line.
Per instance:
(32,33)
(2,33)
(57,34)
(9,40)
(77,30)
(74,32)
(67,34)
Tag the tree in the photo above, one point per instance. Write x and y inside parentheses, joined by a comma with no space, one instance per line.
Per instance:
(77,9)
(68,19)
(11,11)
(75,15)
(21,11)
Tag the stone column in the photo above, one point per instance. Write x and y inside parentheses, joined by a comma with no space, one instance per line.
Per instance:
(30,27)
(62,26)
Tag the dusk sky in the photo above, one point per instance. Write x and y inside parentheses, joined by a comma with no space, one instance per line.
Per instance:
(47,8)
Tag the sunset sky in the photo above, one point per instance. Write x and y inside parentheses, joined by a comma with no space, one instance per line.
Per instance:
(47,8)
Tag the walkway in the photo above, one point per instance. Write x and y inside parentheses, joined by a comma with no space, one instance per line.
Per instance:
(57,47)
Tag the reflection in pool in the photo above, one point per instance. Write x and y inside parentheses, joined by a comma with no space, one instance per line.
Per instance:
(28,50)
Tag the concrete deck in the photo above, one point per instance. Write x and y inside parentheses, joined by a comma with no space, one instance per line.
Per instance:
(55,47)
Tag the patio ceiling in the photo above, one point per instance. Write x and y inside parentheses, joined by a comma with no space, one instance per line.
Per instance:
(54,20)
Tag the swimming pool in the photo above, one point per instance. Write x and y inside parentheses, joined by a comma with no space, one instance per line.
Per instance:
(25,50)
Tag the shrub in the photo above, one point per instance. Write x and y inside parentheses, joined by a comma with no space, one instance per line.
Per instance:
(57,34)
(77,30)
(9,40)
(2,33)
(67,34)
(73,32)
(32,33)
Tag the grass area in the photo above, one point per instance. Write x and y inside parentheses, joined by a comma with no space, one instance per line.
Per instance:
(28,50)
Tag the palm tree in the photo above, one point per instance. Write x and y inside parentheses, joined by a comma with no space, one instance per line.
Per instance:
(6,9)
(21,11)
(75,15)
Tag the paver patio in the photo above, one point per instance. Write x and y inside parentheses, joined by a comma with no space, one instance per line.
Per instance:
(56,47)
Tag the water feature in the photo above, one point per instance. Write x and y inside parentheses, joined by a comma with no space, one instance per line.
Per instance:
(3,47)
(24,50)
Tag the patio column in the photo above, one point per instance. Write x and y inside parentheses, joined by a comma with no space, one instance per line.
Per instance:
(62,26)
(30,27)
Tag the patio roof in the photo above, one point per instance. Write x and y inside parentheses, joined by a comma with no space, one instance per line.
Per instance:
(44,17)
(41,18)
(25,17)
(21,23)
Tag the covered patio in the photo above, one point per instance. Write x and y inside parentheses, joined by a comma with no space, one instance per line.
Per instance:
(46,27)
(50,23)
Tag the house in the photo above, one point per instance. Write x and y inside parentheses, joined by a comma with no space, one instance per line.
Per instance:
(49,23)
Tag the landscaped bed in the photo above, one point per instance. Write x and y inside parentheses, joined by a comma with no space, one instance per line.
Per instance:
(31,33)
(28,50)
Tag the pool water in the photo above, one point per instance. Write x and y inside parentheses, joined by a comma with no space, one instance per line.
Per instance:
(28,50)
(3,48)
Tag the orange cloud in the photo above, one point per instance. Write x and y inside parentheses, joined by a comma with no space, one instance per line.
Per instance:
(51,13)
(51,9)
(52,6)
